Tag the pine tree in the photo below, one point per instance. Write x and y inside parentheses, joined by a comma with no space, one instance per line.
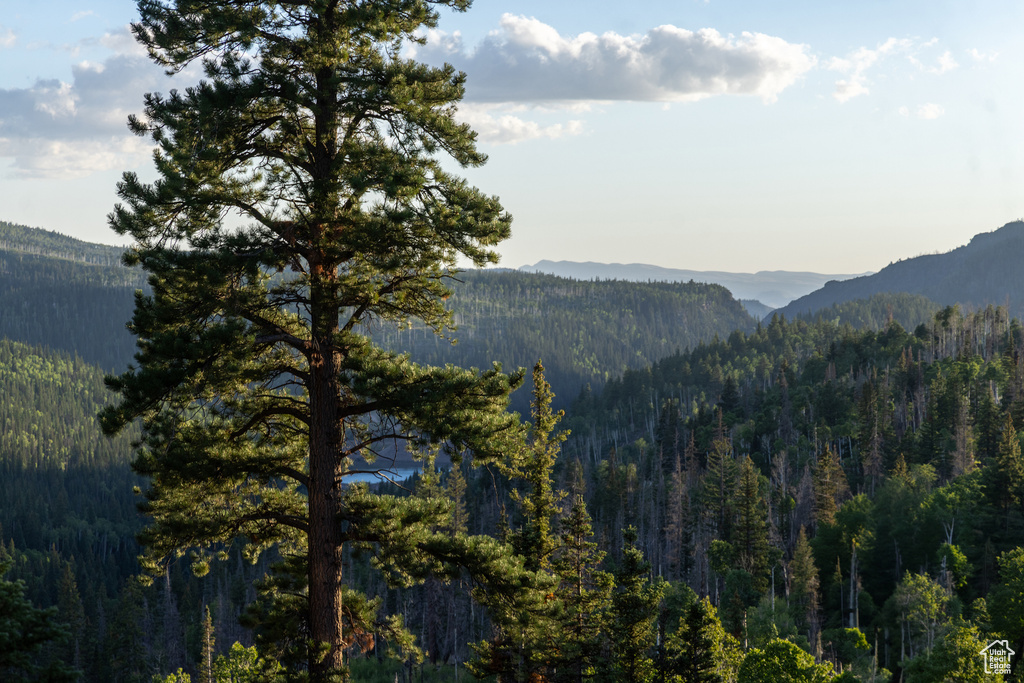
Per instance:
(526,630)
(72,613)
(829,487)
(750,533)
(24,631)
(696,647)
(1005,473)
(540,502)
(207,648)
(584,593)
(300,200)
(455,489)
(633,617)
(719,484)
(804,587)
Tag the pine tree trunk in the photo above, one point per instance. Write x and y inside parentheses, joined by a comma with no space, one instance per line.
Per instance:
(325,469)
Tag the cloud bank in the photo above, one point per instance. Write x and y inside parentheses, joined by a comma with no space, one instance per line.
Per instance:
(56,129)
(529,61)
(497,127)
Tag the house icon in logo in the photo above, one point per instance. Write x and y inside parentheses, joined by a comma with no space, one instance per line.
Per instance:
(997,656)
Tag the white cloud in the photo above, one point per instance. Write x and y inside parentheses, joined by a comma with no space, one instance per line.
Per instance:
(944,63)
(926,112)
(49,158)
(77,16)
(7,37)
(66,129)
(979,56)
(529,61)
(503,128)
(857,64)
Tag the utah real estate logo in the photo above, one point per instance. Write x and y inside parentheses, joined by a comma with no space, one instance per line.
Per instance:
(997,657)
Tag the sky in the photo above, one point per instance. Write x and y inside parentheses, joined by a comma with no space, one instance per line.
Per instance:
(820,135)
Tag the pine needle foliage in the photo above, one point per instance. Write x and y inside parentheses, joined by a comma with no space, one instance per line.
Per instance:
(300,201)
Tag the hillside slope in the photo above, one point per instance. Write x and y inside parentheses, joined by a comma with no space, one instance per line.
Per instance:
(65,294)
(74,296)
(585,332)
(985,271)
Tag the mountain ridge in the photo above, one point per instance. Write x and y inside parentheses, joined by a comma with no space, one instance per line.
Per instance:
(773,288)
(985,271)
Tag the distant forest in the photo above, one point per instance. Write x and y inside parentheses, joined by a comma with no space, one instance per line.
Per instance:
(833,498)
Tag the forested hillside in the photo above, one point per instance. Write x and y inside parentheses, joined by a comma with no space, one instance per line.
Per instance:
(819,482)
(877,311)
(21,238)
(75,296)
(585,331)
(773,288)
(891,459)
(65,294)
(768,472)
(982,273)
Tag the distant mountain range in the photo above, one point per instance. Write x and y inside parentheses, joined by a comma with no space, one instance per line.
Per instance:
(773,288)
(988,270)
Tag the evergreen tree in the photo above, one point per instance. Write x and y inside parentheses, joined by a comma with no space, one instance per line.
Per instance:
(206,648)
(804,587)
(829,487)
(300,200)
(1004,481)
(696,647)
(24,631)
(540,502)
(750,533)
(633,616)
(524,644)
(719,484)
(584,593)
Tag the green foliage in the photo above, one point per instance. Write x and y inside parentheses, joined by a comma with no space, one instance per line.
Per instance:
(1006,600)
(804,597)
(585,595)
(24,631)
(256,383)
(780,661)
(957,657)
(68,295)
(526,642)
(539,504)
(699,648)
(878,311)
(587,332)
(633,616)
(921,602)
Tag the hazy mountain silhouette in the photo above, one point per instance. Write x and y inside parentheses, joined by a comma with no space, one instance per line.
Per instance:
(774,288)
(985,271)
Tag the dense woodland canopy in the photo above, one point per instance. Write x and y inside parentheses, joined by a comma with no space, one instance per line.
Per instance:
(586,331)
(853,492)
(839,497)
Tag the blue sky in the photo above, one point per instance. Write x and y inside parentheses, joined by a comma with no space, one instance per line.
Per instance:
(822,136)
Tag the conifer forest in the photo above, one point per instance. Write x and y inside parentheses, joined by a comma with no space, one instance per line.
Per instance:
(204,437)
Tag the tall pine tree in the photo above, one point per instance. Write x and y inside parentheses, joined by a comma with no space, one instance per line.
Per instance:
(300,200)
